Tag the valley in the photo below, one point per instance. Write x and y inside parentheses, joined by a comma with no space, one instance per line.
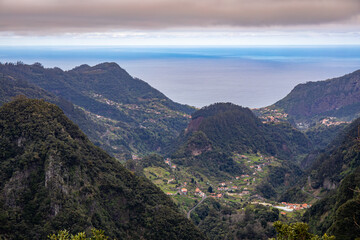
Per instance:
(180,120)
(232,171)
(188,187)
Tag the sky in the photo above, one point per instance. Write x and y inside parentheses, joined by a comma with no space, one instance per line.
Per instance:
(180,22)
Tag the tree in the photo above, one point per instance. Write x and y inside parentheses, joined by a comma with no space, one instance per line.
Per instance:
(297,231)
(210,189)
(65,235)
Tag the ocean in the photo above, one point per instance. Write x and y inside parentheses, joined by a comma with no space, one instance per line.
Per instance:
(255,76)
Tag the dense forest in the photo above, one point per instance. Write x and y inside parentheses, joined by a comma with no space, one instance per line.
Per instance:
(234,128)
(334,177)
(52,177)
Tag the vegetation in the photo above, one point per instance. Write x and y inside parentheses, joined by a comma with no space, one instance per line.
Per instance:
(340,159)
(12,87)
(220,132)
(339,212)
(122,114)
(335,175)
(296,231)
(52,177)
(237,165)
(311,101)
(321,136)
(235,221)
(65,235)
(233,128)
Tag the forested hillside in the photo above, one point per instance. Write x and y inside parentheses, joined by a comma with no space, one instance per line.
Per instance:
(11,88)
(131,117)
(339,159)
(339,212)
(52,177)
(234,128)
(337,97)
(332,183)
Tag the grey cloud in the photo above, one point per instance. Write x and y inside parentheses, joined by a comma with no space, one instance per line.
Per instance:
(104,15)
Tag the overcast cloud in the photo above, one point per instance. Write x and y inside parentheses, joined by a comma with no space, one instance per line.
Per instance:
(62,16)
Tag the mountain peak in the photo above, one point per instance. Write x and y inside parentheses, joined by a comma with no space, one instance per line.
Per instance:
(109,66)
(83,67)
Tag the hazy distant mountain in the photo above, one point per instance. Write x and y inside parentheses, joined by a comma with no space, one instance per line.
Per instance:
(337,97)
(134,118)
(52,177)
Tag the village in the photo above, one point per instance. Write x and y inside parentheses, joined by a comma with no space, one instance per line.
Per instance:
(240,189)
(153,108)
(331,121)
(271,115)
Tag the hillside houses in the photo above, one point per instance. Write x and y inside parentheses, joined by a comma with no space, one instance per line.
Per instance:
(296,206)
(167,161)
(198,192)
(183,191)
(331,121)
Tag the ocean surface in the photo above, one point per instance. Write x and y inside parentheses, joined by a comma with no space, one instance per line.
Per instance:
(199,76)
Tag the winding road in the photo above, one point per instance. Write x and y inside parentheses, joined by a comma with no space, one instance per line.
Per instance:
(311,195)
(188,214)
(309,184)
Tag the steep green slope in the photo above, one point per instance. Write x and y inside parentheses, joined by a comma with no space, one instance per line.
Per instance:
(137,118)
(339,212)
(11,87)
(235,221)
(224,141)
(233,128)
(52,177)
(338,97)
(335,178)
(339,159)
(321,109)
(329,166)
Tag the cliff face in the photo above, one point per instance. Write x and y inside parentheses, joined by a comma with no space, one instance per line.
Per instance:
(52,177)
(338,97)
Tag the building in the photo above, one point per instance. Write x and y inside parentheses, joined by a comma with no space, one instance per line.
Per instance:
(184,191)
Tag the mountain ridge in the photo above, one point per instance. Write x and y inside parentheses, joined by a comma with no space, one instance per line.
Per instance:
(136,119)
(337,97)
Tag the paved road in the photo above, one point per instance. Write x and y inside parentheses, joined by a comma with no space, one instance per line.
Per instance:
(188,214)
